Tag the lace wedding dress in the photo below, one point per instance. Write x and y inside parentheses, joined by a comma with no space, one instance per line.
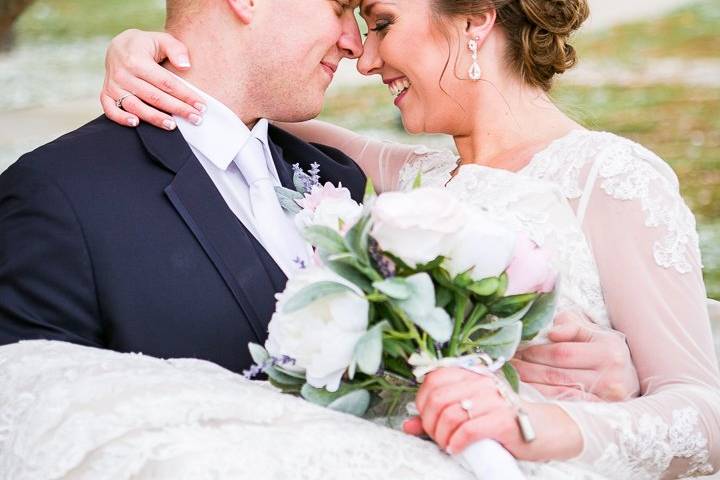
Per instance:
(627,251)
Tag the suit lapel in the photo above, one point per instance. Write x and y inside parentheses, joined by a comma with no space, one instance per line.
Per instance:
(248,271)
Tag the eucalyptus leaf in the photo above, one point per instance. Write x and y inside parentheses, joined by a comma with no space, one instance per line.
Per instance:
(397,288)
(485,287)
(287,199)
(540,315)
(437,324)
(354,403)
(511,375)
(320,396)
(312,293)
(325,238)
(349,272)
(258,353)
(357,238)
(503,343)
(369,349)
(422,299)
(283,378)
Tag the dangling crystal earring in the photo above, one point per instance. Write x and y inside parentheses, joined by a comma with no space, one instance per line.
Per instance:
(474,72)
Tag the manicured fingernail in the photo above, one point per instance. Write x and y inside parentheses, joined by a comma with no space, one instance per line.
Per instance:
(200,107)
(449,451)
(132,121)
(168,124)
(195,119)
(183,61)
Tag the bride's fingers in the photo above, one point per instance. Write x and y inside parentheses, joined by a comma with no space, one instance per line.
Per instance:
(562,377)
(454,416)
(135,106)
(448,398)
(115,114)
(564,393)
(495,426)
(175,51)
(163,105)
(162,86)
(438,378)
(413,426)
(565,355)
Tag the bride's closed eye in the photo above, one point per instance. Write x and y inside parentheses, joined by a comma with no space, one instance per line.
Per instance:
(382,24)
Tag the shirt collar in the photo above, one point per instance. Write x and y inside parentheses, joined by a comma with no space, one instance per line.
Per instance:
(222,135)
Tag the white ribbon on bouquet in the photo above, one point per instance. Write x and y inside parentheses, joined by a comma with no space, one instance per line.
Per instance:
(486,459)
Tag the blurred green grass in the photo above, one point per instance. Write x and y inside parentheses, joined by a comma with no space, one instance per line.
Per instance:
(689,32)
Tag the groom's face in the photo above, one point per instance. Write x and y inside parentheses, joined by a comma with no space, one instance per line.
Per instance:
(300,44)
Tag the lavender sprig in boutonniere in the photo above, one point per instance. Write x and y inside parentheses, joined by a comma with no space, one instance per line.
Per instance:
(303,183)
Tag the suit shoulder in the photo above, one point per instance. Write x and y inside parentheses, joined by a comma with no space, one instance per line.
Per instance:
(99,140)
(287,140)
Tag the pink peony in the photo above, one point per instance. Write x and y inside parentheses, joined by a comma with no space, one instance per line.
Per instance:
(530,270)
(320,193)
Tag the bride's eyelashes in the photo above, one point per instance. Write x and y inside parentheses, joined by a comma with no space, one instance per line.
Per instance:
(382,24)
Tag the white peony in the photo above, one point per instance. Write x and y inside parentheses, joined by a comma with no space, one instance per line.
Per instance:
(320,337)
(417,226)
(484,246)
(328,206)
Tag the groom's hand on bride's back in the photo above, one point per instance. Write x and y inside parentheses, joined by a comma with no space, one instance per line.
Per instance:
(582,361)
(149,92)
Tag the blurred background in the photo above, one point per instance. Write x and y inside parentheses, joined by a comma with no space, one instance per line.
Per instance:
(649,70)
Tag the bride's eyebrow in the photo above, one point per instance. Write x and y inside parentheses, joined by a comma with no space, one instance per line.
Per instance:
(367,9)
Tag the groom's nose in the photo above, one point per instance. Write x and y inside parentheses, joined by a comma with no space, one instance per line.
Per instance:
(350,42)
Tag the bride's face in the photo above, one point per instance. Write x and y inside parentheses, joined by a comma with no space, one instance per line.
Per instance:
(407,46)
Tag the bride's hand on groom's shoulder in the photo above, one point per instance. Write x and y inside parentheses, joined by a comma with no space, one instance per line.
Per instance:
(458,408)
(583,361)
(149,92)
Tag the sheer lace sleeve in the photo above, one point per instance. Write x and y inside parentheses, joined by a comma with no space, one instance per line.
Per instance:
(646,247)
(384,162)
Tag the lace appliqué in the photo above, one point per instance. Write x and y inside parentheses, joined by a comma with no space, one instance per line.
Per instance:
(646,446)
(628,172)
(435,166)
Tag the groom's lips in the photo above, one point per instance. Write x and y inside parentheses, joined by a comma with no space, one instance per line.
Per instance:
(329,68)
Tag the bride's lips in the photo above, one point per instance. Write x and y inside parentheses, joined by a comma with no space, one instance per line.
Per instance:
(398,86)
(329,68)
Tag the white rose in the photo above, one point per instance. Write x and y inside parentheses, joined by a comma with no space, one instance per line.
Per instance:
(419,225)
(321,337)
(332,213)
(483,245)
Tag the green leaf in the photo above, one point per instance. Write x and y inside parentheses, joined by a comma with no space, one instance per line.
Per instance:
(511,375)
(325,238)
(283,378)
(437,324)
(496,323)
(258,353)
(397,348)
(346,269)
(287,199)
(320,396)
(504,280)
(418,180)
(312,293)
(503,343)
(426,267)
(356,239)
(368,351)
(507,306)
(354,403)
(443,296)
(422,299)
(464,280)
(369,191)
(540,315)
(485,287)
(397,288)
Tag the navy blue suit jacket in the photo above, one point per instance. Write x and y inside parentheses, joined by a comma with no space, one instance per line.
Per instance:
(117,238)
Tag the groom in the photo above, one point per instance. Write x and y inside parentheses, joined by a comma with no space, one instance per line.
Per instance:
(173,244)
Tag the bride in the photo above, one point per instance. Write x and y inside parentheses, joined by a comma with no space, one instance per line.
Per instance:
(481,72)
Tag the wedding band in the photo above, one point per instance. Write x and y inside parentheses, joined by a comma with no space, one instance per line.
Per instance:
(526,428)
(467,405)
(118,103)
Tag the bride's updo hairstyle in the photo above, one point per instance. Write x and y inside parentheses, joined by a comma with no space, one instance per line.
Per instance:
(538,32)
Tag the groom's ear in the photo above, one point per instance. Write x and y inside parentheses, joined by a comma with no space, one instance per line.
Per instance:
(244,9)
(480,26)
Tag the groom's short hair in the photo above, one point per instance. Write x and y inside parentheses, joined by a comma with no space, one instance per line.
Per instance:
(179,9)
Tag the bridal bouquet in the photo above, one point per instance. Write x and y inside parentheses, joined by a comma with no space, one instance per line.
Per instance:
(402,285)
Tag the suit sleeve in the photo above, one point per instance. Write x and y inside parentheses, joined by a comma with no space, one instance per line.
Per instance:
(47,290)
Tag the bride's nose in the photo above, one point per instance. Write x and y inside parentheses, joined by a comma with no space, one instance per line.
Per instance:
(370,62)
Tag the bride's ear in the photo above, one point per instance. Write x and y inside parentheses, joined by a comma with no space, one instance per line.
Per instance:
(244,9)
(479,26)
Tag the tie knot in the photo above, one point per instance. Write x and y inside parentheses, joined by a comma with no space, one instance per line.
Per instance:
(252,161)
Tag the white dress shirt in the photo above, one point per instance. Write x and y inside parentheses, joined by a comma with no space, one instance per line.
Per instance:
(219,144)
